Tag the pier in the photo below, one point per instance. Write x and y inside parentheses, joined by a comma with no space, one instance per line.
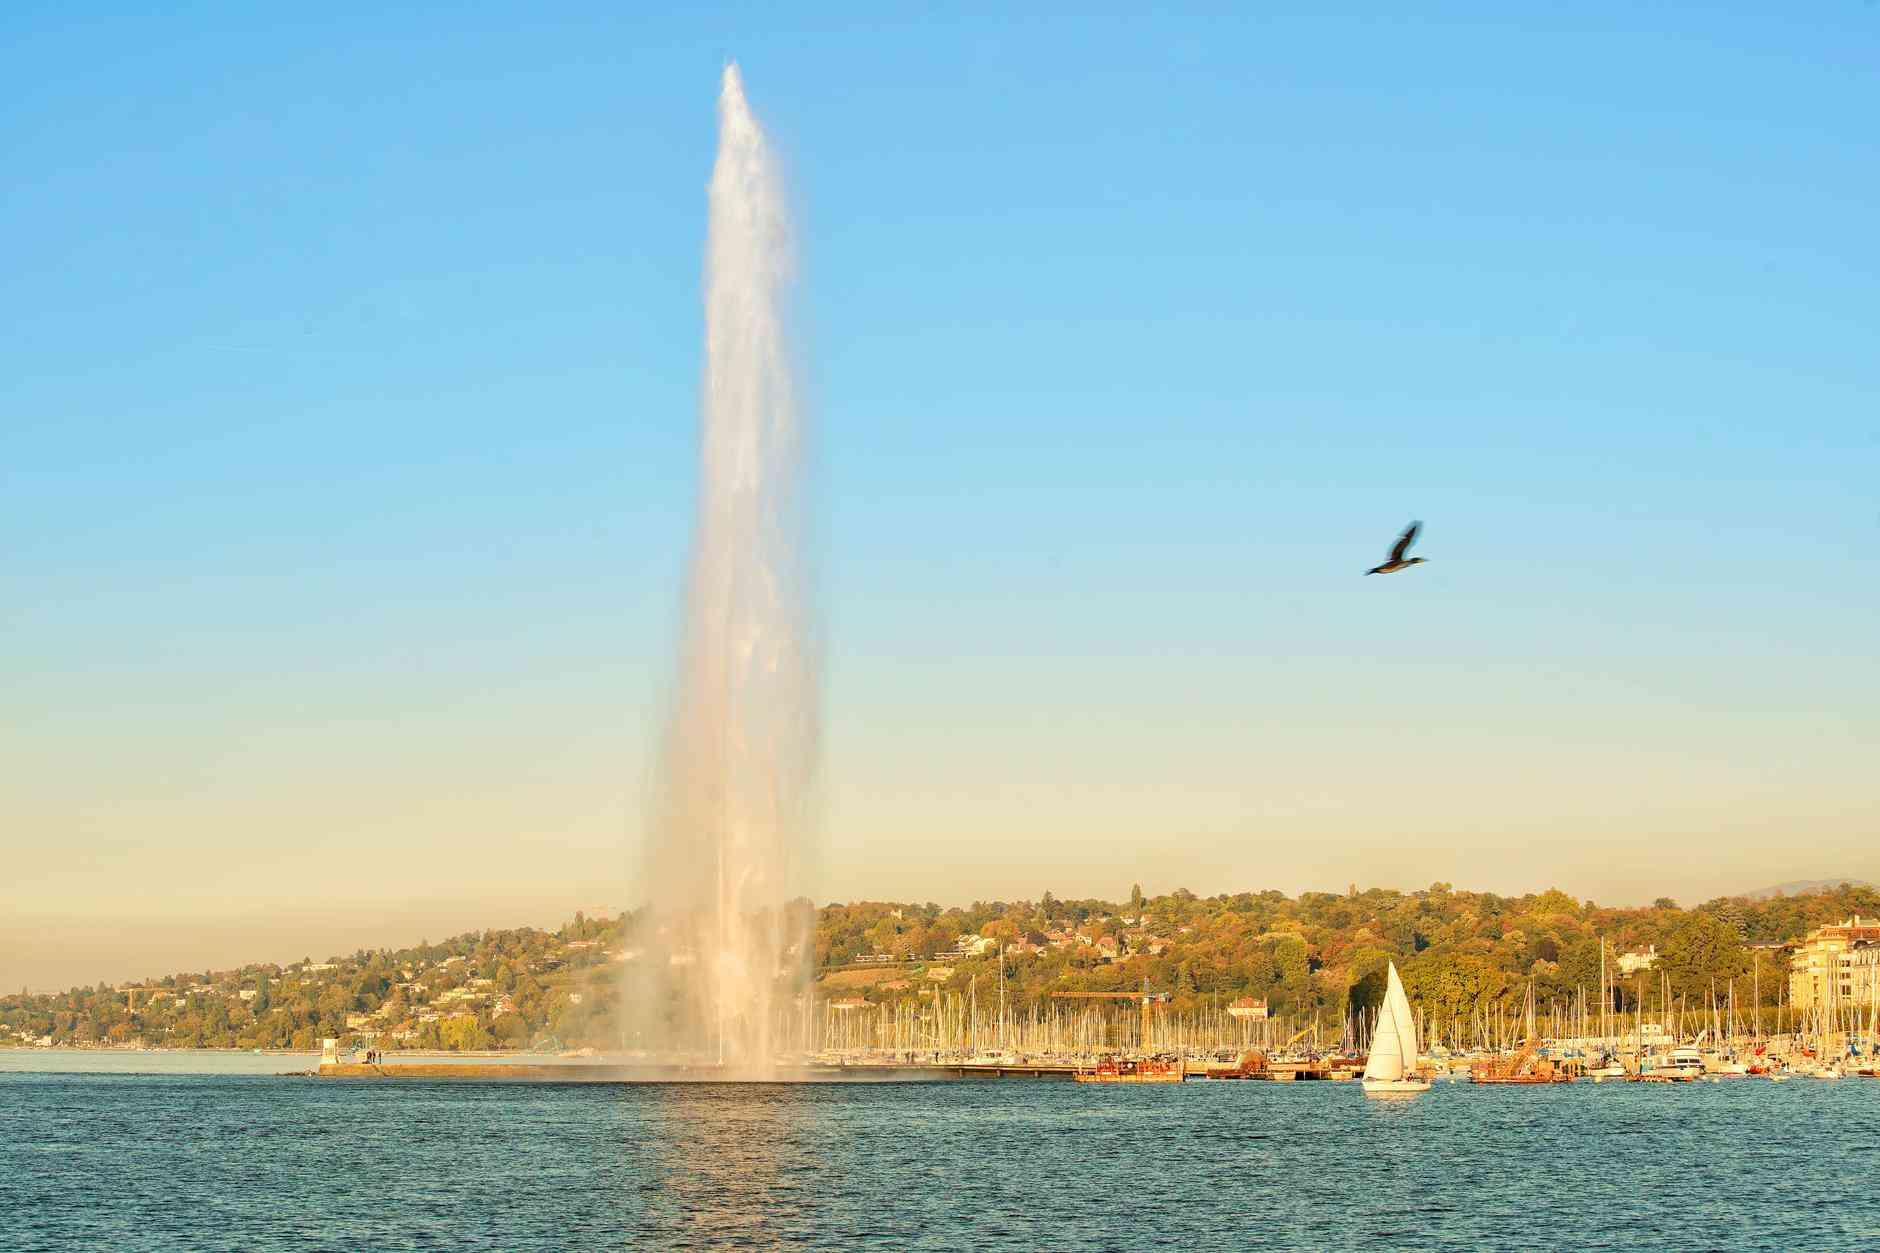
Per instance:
(576,1072)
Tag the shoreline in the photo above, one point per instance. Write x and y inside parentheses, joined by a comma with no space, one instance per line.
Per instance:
(252,1052)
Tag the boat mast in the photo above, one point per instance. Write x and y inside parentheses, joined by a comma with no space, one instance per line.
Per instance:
(1755,980)
(1605,994)
(1002,996)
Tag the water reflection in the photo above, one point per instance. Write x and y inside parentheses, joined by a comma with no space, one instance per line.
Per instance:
(732,1163)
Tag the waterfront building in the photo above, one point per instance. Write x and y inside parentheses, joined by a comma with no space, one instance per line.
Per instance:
(1837,964)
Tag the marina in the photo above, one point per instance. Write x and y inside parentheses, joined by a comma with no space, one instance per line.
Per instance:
(1541,1062)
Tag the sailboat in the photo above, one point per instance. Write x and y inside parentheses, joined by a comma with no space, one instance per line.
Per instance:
(1391,1068)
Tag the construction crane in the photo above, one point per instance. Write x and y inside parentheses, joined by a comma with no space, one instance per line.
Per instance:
(1521,1059)
(1149,1001)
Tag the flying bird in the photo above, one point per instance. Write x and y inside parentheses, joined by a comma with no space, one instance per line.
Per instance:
(1397,561)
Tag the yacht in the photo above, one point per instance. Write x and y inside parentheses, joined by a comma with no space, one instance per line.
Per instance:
(1682,1063)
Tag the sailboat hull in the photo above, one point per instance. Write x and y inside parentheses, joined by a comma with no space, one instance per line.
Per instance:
(1395,1087)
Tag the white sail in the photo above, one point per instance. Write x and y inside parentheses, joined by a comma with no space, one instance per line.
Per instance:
(1386,1060)
(1406,1021)
(1394,1041)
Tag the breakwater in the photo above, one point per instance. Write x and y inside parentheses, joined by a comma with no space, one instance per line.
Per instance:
(552,1072)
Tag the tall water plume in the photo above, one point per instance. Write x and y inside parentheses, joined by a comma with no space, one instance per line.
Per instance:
(728,832)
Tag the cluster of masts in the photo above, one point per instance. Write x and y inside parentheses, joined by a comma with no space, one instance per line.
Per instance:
(948,1027)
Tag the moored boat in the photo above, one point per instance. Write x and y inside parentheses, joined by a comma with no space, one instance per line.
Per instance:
(1526,1066)
(1683,1065)
(1133,1070)
(1250,1065)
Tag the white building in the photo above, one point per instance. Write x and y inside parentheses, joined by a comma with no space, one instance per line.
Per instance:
(1630,963)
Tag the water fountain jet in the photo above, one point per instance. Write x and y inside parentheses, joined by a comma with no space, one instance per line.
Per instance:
(729,827)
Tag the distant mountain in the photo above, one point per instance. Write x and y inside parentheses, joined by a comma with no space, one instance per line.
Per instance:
(1802,887)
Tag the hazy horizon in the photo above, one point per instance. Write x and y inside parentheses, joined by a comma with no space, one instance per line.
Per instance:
(349,391)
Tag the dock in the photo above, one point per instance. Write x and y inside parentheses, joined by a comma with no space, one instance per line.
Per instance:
(583,1072)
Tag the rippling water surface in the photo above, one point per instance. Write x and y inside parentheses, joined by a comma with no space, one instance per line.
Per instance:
(245,1161)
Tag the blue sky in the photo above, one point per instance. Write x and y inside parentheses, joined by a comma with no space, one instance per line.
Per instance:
(348,376)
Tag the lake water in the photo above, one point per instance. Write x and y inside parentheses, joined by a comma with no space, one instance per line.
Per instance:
(254,1161)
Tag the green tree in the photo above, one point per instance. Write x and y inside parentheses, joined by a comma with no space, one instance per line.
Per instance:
(1451,985)
(1367,974)
(462,1033)
(1702,951)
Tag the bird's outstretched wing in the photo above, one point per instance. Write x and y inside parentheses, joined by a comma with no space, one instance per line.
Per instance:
(1404,541)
